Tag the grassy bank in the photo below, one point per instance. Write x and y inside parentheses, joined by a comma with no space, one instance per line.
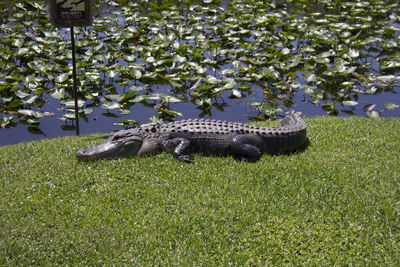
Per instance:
(336,202)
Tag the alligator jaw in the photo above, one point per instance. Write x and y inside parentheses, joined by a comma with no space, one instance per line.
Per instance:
(115,146)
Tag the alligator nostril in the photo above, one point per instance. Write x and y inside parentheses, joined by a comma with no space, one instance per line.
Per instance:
(81,152)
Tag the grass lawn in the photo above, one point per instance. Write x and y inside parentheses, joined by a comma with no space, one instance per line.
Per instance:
(337,202)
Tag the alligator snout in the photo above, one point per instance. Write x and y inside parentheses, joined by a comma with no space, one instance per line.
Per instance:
(115,146)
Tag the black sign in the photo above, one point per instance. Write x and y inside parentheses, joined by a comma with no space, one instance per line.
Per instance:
(67,13)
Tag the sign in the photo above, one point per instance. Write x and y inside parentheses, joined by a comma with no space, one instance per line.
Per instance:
(68,13)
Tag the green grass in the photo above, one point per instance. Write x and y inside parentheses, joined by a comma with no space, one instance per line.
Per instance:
(338,202)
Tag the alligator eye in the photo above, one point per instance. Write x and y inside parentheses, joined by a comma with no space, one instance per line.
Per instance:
(119,136)
(116,137)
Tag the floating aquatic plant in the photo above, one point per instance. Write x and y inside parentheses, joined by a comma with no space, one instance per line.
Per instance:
(201,53)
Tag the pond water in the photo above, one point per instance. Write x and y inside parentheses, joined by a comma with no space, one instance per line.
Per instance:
(240,62)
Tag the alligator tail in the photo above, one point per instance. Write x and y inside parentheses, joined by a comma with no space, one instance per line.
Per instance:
(292,119)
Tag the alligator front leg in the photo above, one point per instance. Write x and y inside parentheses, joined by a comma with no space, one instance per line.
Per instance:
(247,146)
(179,145)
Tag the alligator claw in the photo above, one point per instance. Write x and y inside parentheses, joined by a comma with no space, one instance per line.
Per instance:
(185,158)
(248,159)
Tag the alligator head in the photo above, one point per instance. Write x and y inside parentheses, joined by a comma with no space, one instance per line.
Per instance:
(118,144)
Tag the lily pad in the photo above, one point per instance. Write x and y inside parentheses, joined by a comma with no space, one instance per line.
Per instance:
(350,103)
(110,105)
(62,78)
(58,93)
(390,105)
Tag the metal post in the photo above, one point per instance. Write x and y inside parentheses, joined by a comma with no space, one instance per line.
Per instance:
(75,82)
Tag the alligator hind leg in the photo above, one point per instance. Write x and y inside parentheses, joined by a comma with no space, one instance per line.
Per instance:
(178,145)
(247,147)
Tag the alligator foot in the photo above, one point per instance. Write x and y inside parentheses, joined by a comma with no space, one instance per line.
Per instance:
(185,158)
(247,147)
(179,145)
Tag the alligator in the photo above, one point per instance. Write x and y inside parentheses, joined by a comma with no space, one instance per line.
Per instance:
(184,137)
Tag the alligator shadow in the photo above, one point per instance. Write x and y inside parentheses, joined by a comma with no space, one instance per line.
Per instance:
(301,148)
(298,150)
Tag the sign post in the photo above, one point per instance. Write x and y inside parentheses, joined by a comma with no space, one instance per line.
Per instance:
(75,80)
(70,13)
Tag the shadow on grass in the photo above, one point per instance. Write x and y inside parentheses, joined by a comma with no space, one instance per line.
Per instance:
(236,156)
(301,148)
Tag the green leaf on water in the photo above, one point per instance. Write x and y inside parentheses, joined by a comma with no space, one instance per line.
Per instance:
(150,59)
(285,51)
(124,111)
(236,93)
(69,115)
(6,122)
(21,94)
(32,113)
(62,78)
(111,74)
(390,105)
(350,103)
(93,76)
(129,58)
(172,99)
(371,90)
(110,105)
(26,112)
(230,83)
(268,72)
(138,74)
(309,76)
(170,112)
(212,80)
(136,88)
(387,78)
(29,100)
(100,57)
(19,42)
(71,103)
(114,97)
(340,64)
(227,72)
(87,111)
(179,58)
(353,53)
(58,93)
